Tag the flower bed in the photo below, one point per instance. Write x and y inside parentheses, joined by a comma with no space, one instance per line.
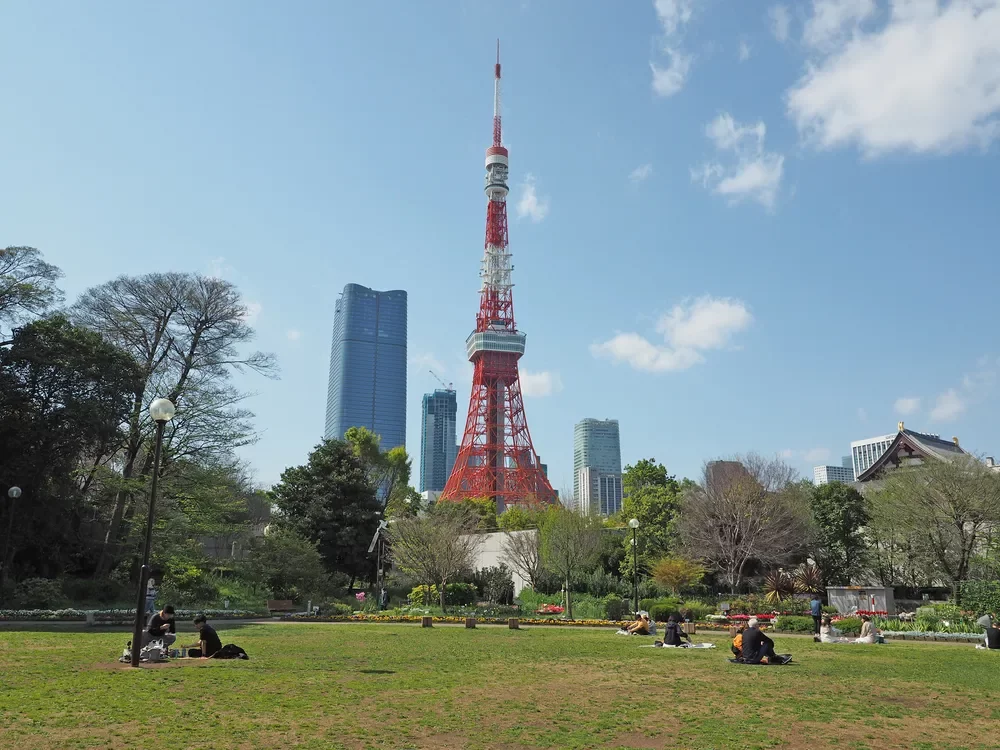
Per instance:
(361,617)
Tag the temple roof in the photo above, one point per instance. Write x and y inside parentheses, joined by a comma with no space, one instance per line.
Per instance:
(916,445)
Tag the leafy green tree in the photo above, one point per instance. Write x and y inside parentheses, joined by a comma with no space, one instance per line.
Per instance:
(676,573)
(63,394)
(287,565)
(27,284)
(652,496)
(518,518)
(331,502)
(570,544)
(388,471)
(840,515)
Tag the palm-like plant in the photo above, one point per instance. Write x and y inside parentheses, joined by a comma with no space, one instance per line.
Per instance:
(809,580)
(778,586)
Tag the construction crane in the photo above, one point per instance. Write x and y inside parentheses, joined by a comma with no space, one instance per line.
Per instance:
(448,387)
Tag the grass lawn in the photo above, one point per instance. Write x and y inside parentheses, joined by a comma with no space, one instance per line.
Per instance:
(398,686)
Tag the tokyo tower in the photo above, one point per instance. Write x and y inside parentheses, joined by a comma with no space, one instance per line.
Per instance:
(496,458)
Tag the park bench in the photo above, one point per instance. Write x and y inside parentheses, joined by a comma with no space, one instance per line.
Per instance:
(280,605)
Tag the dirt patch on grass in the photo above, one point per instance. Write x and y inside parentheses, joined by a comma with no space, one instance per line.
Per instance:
(172,664)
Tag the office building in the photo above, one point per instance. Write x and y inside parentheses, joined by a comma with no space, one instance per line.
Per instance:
(437,439)
(368,365)
(597,466)
(866,452)
(827,474)
(847,462)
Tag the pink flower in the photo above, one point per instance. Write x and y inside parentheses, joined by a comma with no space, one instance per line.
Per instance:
(360,596)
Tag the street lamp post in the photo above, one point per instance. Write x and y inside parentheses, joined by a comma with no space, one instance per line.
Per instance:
(634,525)
(162,411)
(13,493)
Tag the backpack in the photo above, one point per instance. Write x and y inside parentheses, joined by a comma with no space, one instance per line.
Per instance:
(231,651)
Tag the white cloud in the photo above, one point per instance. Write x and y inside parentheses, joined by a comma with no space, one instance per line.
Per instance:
(907,405)
(744,52)
(530,204)
(539,384)
(217,268)
(251,311)
(927,80)
(780,20)
(293,335)
(949,406)
(831,21)
(755,173)
(641,173)
(688,330)
(816,455)
(673,15)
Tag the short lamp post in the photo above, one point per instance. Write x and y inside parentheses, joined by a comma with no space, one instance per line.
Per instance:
(162,411)
(634,525)
(13,493)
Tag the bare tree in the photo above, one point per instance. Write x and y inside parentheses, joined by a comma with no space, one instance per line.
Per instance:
(571,543)
(746,509)
(522,551)
(185,331)
(27,284)
(436,547)
(947,507)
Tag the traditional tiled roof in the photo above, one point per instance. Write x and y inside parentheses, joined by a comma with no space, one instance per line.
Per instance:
(916,444)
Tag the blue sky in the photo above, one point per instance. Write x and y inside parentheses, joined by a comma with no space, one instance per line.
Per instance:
(736,226)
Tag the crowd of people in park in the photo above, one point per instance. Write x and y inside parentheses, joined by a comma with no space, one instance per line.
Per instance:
(751,646)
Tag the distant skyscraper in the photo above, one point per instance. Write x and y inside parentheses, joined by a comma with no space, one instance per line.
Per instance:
(847,462)
(866,452)
(437,439)
(826,474)
(597,466)
(368,365)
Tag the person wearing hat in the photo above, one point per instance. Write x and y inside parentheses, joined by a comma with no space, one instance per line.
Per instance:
(758,648)
(640,626)
(992,637)
(208,640)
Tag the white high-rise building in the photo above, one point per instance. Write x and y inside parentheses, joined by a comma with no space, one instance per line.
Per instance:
(866,452)
(826,474)
(597,467)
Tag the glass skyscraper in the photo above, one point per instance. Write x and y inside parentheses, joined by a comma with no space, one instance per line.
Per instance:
(597,466)
(368,365)
(437,439)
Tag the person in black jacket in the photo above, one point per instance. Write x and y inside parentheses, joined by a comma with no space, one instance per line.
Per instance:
(673,633)
(161,627)
(758,648)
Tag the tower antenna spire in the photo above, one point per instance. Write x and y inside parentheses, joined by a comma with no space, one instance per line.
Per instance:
(496,100)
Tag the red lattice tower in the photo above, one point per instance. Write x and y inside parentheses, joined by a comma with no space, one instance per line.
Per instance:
(496,458)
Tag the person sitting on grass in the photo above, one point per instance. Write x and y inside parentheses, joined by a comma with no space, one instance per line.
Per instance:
(869,633)
(737,647)
(828,633)
(758,648)
(640,626)
(991,639)
(208,644)
(673,633)
(161,627)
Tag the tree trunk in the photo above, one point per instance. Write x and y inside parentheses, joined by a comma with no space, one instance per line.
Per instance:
(444,587)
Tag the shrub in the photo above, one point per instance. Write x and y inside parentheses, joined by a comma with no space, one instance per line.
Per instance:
(286,565)
(336,608)
(614,607)
(795,624)
(97,591)
(186,584)
(423,594)
(699,610)
(847,625)
(981,597)
(38,593)
(495,584)
(460,594)
(600,583)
